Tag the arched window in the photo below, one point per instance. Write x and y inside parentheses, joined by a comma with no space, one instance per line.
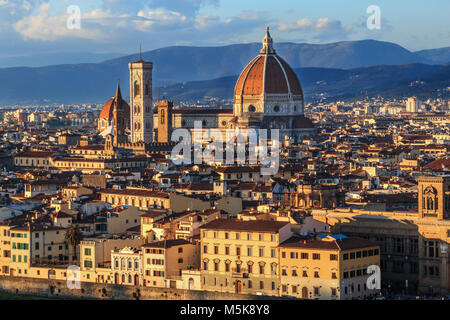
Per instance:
(251,108)
(305,293)
(136,88)
(163,115)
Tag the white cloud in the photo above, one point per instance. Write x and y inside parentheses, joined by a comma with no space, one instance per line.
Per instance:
(46,27)
(303,24)
(322,28)
(155,20)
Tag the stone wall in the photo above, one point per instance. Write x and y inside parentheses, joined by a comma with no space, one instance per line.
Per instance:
(57,288)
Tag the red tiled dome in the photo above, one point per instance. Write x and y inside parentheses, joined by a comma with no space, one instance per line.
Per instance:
(268,73)
(108,108)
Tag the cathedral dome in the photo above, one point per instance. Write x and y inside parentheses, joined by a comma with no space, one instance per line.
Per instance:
(106,117)
(108,108)
(268,74)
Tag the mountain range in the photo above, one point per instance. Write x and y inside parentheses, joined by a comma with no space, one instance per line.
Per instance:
(421,80)
(336,69)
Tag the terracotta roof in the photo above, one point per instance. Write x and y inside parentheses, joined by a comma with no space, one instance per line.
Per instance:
(166,243)
(238,225)
(36,154)
(202,111)
(236,169)
(268,73)
(439,164)
(108,108)
(342,244)
(136,192)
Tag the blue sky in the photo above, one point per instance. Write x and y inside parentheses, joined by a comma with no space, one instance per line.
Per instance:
(40,26)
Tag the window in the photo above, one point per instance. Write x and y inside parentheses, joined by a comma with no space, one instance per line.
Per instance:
(333,291)
(304,255)
(238,251)
(261,252)
(261,284)
(273,253)
(227,250)
(261,269)
(226,235)
(205,265)
(316,274)
(316,291)
(352,255)
(316,256)
(216,250)
(249,251)
(205,249)
(333,257)
(333,275)
(305,274)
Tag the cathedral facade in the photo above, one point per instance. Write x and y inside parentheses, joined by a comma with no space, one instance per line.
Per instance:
(267,95)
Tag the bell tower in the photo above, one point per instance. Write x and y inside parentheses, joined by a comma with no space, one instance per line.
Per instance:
(141,101)
(434,197)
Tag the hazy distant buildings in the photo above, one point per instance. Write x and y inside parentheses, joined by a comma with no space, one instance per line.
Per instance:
(412,105)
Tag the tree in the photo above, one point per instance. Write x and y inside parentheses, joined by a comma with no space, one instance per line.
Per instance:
(73,238)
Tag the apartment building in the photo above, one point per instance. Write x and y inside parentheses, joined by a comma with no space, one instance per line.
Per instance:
(163,262)
(242,256)
(329,268)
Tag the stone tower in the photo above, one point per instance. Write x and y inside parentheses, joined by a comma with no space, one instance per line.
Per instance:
(164,120)
(434,197)
(119,118)
(141,101)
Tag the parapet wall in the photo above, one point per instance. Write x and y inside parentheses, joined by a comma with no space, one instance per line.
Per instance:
(58,288)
